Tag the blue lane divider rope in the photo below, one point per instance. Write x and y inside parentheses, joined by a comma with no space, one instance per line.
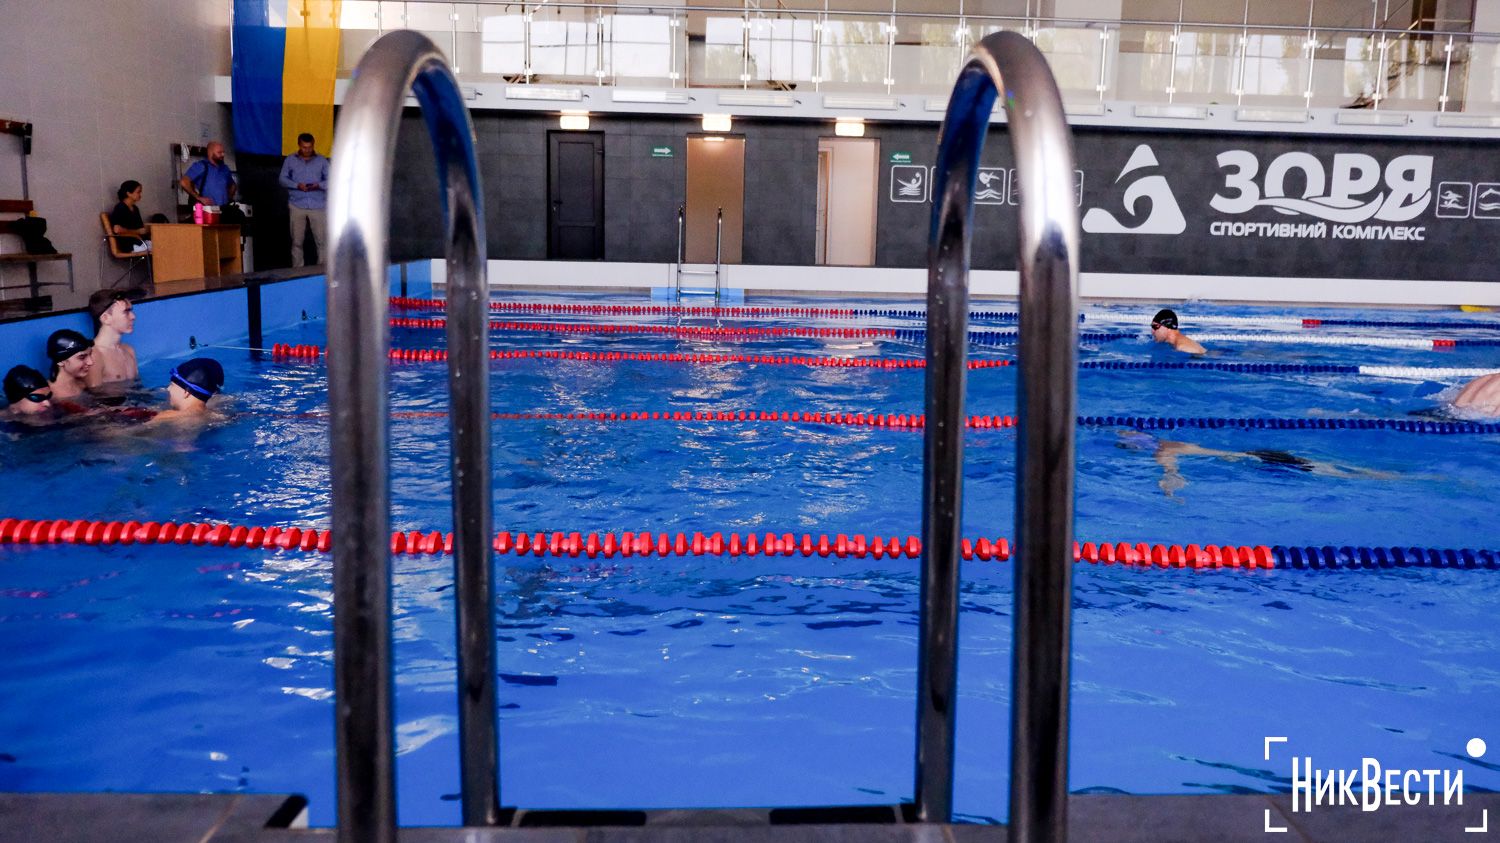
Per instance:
(1343,557)
(1011,337)
(1260,368)
(1396,323)
(1264,423)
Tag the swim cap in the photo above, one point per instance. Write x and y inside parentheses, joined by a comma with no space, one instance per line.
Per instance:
(22,381)
(202,377)
(66,343)
(1165,318)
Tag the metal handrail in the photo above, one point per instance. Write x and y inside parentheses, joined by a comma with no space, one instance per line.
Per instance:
(358,339)
(718,253)
(681,235)
(1018,20)
(1048,258)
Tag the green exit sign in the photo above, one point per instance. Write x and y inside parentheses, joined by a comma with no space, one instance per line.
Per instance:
(900,157)
(661,152)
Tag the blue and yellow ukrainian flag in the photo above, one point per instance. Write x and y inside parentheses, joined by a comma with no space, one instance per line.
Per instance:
(286,57)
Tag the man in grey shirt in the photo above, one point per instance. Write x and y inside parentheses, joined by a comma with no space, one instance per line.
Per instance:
(305,177)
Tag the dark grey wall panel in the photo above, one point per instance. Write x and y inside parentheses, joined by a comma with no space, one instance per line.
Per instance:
(1340,207)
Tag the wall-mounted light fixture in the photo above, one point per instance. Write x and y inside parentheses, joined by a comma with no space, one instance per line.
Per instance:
(716,123)
(850,127)
(574,121)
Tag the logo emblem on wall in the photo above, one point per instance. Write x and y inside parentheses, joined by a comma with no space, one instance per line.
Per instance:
(1165,217)
(1487,201)
(991,186)
(1455,199)
(1338,197)
(908,183)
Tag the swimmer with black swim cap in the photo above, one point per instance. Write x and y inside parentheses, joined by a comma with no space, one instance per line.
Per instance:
(72,356)
(29,396)
(1164,329)
(1168,454)
(191,385)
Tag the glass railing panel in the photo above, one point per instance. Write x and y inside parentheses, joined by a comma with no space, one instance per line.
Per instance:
(1076,53)
(359,21)
(1354,84)
(1276,68)
(467,51)
(1206,68)
(717,60)
(503,43)
(928,54)
(1475,83)
(783,50)
(1145,65)
(1413,72)
(853,54)
(565,45)
(641,49)
(435,20)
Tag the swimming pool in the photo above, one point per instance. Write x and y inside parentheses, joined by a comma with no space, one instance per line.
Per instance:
(739,680)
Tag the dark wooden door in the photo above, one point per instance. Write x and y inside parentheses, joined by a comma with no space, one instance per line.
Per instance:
(575,195)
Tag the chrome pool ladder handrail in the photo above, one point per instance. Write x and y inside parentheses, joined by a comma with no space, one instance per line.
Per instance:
(718,271)
(399,64)
(1048,258)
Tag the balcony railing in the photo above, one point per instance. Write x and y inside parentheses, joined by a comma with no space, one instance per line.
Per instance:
(758,47)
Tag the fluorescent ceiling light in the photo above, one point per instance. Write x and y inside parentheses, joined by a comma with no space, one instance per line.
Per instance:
(861,103)
(757,98)
(542,92)
(666,97)
(849,128)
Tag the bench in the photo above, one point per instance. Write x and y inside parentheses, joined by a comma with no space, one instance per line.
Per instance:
(22,207)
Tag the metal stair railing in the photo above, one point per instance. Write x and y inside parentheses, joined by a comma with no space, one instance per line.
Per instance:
(358,339)
(1048,258)
(718,270)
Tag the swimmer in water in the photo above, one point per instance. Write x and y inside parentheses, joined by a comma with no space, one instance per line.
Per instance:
(1164,329)
(1168,454)
(1480,396)
(72,356)
(114,316)
(192,384)
(28,395)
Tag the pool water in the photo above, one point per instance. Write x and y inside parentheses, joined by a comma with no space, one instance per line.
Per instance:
(707,681)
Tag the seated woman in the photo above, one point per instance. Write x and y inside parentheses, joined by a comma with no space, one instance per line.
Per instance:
(72,356)
(192,384)
(29,396)
(125,219)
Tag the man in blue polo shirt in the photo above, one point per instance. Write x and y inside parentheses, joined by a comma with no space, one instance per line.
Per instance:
(305,177)
(210,181)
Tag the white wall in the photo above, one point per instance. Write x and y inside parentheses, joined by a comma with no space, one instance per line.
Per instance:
(108,86)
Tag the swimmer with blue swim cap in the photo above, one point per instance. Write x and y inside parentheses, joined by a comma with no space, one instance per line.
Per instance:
(1164,329)
(191,384)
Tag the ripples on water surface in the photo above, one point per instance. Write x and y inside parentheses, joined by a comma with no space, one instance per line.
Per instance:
(647,683)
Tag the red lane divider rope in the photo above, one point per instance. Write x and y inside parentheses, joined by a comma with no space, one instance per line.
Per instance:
(636,310)
(284,351)
(661,330)
(573,544)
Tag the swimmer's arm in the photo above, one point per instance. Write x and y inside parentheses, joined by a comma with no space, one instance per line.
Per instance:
(1481,393)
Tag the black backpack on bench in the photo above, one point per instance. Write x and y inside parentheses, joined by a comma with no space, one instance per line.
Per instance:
(33,231)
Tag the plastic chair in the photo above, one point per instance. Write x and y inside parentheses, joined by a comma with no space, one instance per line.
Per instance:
(132,259)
